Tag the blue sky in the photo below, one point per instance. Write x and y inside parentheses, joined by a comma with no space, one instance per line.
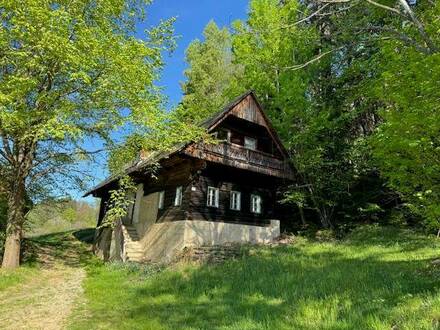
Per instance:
(191,18)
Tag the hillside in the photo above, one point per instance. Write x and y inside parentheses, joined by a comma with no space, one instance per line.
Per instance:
(376,278)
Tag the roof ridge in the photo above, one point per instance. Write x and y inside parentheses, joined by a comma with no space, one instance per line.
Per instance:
(211,120)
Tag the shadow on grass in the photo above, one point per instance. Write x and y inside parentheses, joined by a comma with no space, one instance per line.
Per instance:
(71,248)
(310,286)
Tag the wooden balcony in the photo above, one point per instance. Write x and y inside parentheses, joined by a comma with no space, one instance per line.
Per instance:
(238,156)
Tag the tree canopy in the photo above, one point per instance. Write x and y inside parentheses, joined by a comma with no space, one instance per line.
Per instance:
(351,87)
(71,71)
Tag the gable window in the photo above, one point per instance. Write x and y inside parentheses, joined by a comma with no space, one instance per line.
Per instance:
(161,200)
(235,138)
(235,201)
(250,143)
(256,202)
(179,195)
(213,197)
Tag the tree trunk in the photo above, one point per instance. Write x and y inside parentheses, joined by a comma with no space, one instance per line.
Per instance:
(14,228)
(303,218)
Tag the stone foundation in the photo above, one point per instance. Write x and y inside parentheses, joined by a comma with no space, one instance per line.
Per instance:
(162,242)
(166,240)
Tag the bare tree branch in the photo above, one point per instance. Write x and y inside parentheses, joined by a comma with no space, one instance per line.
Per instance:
(400,36)
(313,60)
(419,25)
(316,12)
(394,10)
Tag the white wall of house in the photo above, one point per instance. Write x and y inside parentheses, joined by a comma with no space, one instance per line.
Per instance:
(137,202)
(163,241)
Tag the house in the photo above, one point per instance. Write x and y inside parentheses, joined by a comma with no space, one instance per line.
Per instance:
(203,194)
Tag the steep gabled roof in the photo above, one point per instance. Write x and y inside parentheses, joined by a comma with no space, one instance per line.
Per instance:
(210,124)
(215,120)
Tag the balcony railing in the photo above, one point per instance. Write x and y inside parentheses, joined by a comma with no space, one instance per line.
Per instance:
(241,157)
(240,153)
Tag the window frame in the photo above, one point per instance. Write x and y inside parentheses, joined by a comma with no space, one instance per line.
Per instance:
(249,138)
(179,196)
(161,202)
(233,201)
(256,208)
(216,197)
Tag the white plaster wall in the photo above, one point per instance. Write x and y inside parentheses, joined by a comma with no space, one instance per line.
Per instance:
(161,242)
(137,202)
(199,232)
(147,214)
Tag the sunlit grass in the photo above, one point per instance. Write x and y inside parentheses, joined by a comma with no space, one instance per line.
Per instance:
(9,278)
(376,278)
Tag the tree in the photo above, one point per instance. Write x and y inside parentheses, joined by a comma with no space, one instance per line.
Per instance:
(301,61)
(407,145)
(211,74)
(69,70)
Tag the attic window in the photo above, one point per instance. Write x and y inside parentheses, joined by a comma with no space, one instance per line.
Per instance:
(250,143)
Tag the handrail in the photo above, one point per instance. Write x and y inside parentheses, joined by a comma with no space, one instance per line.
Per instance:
(240,153)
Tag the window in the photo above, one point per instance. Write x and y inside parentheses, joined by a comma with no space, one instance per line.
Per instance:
(256,204)
(250,143)
(178,199)
(213,195)
(222,134)
(235,201)
(161,199)
(235,138)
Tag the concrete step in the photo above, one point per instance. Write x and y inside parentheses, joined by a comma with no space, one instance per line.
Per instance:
(135,256)
(135,259)
(134,251)
(133,245)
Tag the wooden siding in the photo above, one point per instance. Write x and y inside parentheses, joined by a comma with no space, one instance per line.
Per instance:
(242,158)
(176,171)
(249,110)
(227,180)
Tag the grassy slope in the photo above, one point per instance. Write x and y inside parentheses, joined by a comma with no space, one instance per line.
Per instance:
(42,293)
(375,279)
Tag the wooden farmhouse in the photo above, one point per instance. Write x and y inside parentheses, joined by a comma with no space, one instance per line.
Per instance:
(203,194)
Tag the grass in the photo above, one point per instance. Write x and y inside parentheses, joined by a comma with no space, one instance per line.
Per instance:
(42,293)
(67,248)
(12,278)
(376,278)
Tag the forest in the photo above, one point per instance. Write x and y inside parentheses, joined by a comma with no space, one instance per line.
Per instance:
(352,88)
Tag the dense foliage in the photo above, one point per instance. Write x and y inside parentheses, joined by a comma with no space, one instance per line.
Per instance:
(352,87)
(61,215)
(71,71)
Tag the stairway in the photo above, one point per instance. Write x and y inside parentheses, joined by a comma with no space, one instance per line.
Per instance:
(132,246)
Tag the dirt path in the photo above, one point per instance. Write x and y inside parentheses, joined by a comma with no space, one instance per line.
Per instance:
(45,300)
